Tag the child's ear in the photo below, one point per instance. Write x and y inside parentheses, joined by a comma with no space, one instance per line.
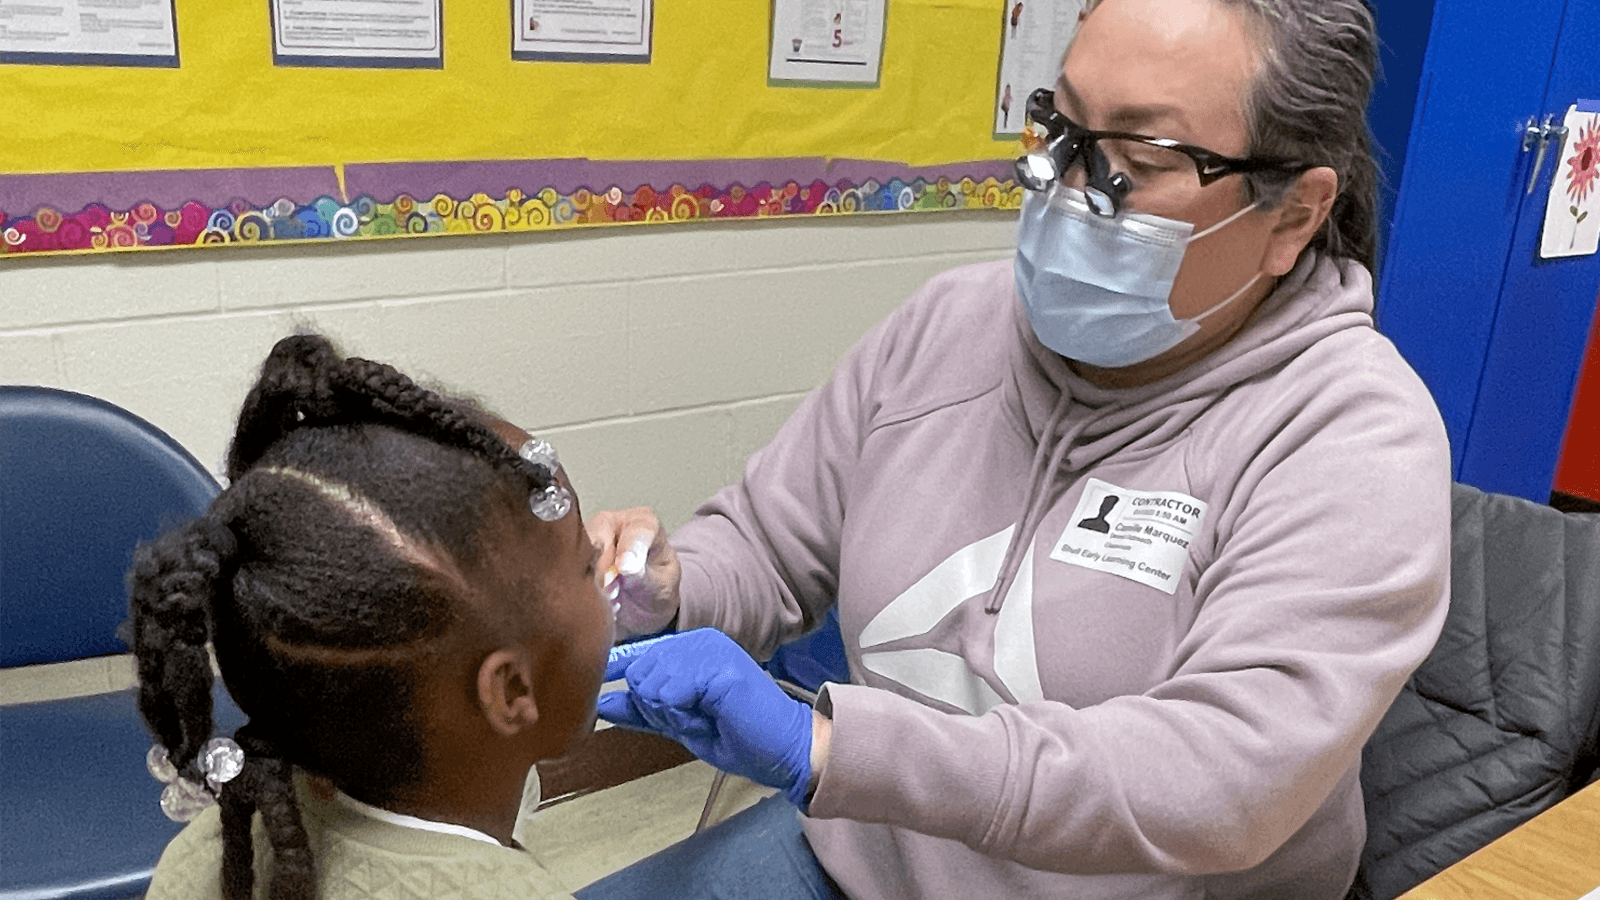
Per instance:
(1300,214)
(505,691)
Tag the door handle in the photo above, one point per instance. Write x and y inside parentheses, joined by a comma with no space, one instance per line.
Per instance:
(1543,135)
(1530,134)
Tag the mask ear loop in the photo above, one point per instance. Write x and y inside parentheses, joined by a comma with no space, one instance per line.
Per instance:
(1195,321)
(1248,284)
(1212,229)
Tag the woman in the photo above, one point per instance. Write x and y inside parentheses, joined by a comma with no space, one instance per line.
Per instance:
(1133,539)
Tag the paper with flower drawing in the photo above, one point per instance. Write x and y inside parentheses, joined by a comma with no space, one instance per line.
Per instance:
(1572,217)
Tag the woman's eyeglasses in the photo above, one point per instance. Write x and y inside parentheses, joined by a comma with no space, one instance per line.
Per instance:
(1161,173)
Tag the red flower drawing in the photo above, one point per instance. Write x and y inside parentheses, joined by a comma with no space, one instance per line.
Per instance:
(1585,163)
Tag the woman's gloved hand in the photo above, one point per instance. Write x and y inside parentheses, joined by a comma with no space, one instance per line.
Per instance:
(638,569)
(702,690)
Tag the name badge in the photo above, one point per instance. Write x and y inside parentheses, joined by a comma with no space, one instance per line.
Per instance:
(1140,535)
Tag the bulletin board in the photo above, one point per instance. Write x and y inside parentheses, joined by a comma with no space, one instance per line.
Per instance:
(227,147)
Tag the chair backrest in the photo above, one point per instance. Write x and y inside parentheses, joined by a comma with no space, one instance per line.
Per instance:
(813,658)
(82,482)
(1500,722)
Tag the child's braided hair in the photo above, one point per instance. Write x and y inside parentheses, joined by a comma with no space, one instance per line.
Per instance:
(323,576)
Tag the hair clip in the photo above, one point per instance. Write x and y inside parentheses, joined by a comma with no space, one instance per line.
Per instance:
(221,760)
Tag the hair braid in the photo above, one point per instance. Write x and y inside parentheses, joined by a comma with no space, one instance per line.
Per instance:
(392,394)
(304,382)
(172,587)
(293,875)
(265,785)
(292,387)
(238,848)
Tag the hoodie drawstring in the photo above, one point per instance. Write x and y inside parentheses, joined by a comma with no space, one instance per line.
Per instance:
(1051,451)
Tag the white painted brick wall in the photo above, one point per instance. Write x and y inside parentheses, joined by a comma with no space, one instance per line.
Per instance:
(657,358)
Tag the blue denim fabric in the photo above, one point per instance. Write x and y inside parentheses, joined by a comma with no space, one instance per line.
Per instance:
(759,853)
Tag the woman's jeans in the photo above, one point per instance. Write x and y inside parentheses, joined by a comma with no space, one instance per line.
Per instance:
(759,853)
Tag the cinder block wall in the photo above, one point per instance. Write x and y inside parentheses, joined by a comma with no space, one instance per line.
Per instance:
(655,358)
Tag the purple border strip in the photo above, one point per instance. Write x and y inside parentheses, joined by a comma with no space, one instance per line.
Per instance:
(23,195)
(383,181)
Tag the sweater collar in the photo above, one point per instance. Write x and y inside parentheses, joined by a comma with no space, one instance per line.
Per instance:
(404,821)
(525,810)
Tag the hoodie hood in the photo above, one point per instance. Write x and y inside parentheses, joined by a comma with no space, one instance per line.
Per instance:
(1319,297)
(1076,423)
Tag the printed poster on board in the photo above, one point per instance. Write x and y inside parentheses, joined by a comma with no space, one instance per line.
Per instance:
(581,30)
(89,33)
(823,42)
(383,34)
(1034,34)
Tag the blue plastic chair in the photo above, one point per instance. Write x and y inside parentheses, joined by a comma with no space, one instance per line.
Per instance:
(82,482)
(814,658)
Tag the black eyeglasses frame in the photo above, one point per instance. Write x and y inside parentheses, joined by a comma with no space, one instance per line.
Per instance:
(1082,141)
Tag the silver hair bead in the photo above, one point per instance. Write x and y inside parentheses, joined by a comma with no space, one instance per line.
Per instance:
(221,760)
(538,452)
(158,765)
(183,800)
(552,503)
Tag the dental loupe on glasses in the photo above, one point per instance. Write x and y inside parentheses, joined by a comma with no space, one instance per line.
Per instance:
(1059,151)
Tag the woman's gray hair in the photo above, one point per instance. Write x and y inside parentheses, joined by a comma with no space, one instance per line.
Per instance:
(1308,103)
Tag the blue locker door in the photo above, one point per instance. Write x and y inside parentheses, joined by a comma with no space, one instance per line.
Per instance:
(1539,335)
(1403,27)
(1486,71)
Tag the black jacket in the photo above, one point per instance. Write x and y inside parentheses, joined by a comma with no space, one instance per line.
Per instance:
(1500,722)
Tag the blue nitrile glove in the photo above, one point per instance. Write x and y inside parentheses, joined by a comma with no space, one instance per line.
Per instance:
(703,691)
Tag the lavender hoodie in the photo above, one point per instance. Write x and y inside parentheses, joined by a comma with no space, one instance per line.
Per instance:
(1102,643)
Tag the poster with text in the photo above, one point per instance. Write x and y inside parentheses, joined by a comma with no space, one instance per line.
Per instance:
(581,30)
(827,41)
(89,32)
(358,33)
(1572,214)
(1034,34)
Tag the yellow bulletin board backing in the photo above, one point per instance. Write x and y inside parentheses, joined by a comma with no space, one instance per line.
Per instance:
(226,147)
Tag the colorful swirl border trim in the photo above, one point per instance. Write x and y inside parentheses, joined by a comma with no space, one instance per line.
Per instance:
(97,226)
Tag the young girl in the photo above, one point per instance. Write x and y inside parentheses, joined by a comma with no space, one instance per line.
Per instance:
(402,599)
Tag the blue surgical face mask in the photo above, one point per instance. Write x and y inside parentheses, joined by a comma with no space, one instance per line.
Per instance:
(1097,289)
